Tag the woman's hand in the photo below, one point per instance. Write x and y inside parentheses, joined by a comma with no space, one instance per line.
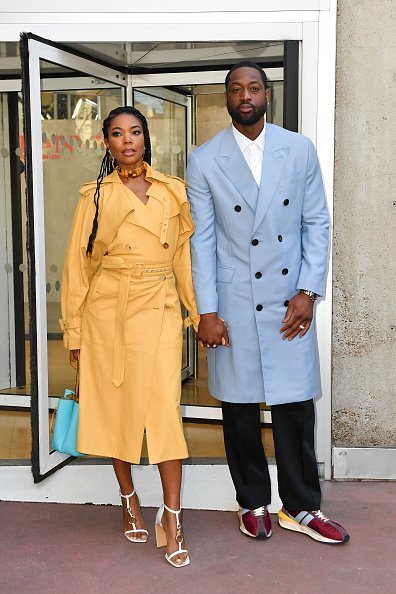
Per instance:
(74,355)
(212,331)
(298,317)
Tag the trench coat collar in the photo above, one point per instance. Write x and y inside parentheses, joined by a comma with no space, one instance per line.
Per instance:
(233,164)
(151,174)
(274,159)
(128,204)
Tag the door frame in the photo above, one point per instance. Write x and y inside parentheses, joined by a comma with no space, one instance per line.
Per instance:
(33,49)
(161,92)
(311,22)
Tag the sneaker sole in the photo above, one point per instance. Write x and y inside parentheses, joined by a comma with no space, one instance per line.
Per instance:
(289,524)
(260,536)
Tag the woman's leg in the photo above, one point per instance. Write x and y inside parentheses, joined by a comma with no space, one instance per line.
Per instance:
(171,474)
(123,473)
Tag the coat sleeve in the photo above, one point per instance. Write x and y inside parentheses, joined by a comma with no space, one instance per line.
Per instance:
(314,228)
(203,242)
(182,267)
(77,273)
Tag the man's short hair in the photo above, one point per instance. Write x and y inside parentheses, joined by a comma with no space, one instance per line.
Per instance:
(247,64)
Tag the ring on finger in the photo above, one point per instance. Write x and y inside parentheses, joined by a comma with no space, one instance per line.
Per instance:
(302,327)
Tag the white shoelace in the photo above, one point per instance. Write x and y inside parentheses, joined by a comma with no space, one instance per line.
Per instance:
(321,516)
(259,511)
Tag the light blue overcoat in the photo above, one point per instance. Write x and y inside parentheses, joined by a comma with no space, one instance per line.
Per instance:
(252,250)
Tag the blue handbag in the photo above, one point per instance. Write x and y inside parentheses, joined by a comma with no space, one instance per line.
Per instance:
(64,437)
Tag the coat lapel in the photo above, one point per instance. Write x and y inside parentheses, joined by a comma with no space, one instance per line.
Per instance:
(124,204)
(233,164)
(274,160)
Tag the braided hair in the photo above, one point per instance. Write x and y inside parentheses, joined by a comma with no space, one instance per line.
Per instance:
(108,163)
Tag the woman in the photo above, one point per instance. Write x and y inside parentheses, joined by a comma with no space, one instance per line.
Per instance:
(122,319)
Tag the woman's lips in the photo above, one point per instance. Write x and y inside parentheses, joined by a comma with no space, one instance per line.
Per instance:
(129,152)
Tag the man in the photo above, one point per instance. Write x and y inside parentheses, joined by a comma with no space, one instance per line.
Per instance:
(259,256)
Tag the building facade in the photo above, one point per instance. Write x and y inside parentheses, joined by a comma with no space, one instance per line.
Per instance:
(331,76)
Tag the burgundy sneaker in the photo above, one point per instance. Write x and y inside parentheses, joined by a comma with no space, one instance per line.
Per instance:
(314,524)
(255,522)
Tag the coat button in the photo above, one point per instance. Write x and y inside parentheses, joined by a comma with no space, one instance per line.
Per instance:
(259,307)
(286,303)
(258,275)
(255,242)
(165,246)
(285,271)
(237,208)
(280,238)
(286,201)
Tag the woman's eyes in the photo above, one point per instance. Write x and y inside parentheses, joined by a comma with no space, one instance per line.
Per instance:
(134,133)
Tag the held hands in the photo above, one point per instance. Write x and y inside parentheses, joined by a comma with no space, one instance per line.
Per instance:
(298,317)
(212,331)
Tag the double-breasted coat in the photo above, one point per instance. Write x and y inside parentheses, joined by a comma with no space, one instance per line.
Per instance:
(121,308)
(252,250)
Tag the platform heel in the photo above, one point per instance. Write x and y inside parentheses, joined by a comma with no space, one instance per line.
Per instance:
(162,540)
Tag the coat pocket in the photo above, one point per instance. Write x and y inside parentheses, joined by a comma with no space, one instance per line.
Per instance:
(224,275)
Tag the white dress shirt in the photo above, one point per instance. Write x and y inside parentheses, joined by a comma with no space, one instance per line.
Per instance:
(253,151)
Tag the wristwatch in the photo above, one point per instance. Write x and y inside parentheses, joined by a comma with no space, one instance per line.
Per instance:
(313,296)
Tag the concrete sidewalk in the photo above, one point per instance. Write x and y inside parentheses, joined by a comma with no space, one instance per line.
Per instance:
(80,549)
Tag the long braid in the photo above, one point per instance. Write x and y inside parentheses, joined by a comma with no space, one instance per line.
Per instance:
(108,163)
(106,168)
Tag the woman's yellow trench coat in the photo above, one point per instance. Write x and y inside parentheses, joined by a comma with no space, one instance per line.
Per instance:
(121,308)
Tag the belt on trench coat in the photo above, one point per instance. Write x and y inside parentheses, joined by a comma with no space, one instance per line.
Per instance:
(127,271)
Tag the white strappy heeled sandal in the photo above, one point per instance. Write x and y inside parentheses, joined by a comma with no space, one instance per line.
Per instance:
(162,539)
(132,521)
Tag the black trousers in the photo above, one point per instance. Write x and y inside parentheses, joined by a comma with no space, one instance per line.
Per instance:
(293,431)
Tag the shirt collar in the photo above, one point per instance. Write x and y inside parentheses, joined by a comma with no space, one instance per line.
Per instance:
(243,141)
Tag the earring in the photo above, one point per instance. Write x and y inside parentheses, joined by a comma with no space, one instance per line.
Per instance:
(110,157)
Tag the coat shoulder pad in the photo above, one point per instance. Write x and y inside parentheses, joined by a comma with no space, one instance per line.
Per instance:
(88,187)
(172,177)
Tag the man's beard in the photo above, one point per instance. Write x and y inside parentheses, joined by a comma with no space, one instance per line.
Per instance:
(247,119)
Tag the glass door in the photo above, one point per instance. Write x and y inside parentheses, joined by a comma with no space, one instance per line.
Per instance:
(65,98)
(203,92)
(168,113)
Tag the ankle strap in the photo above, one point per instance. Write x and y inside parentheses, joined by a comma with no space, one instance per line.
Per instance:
(127,496)
(172,511)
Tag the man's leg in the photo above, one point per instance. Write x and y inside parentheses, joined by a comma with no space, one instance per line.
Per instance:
(245,454)
(248,467)
(298,480)
(293,430)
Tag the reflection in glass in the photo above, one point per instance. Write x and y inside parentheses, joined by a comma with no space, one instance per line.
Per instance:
(15,437)
(71,123)
(167,123)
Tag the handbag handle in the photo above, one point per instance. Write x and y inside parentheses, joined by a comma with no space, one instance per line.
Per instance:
(76,366)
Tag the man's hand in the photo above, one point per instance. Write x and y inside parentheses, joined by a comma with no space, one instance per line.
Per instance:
(212,331)
(298,317)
